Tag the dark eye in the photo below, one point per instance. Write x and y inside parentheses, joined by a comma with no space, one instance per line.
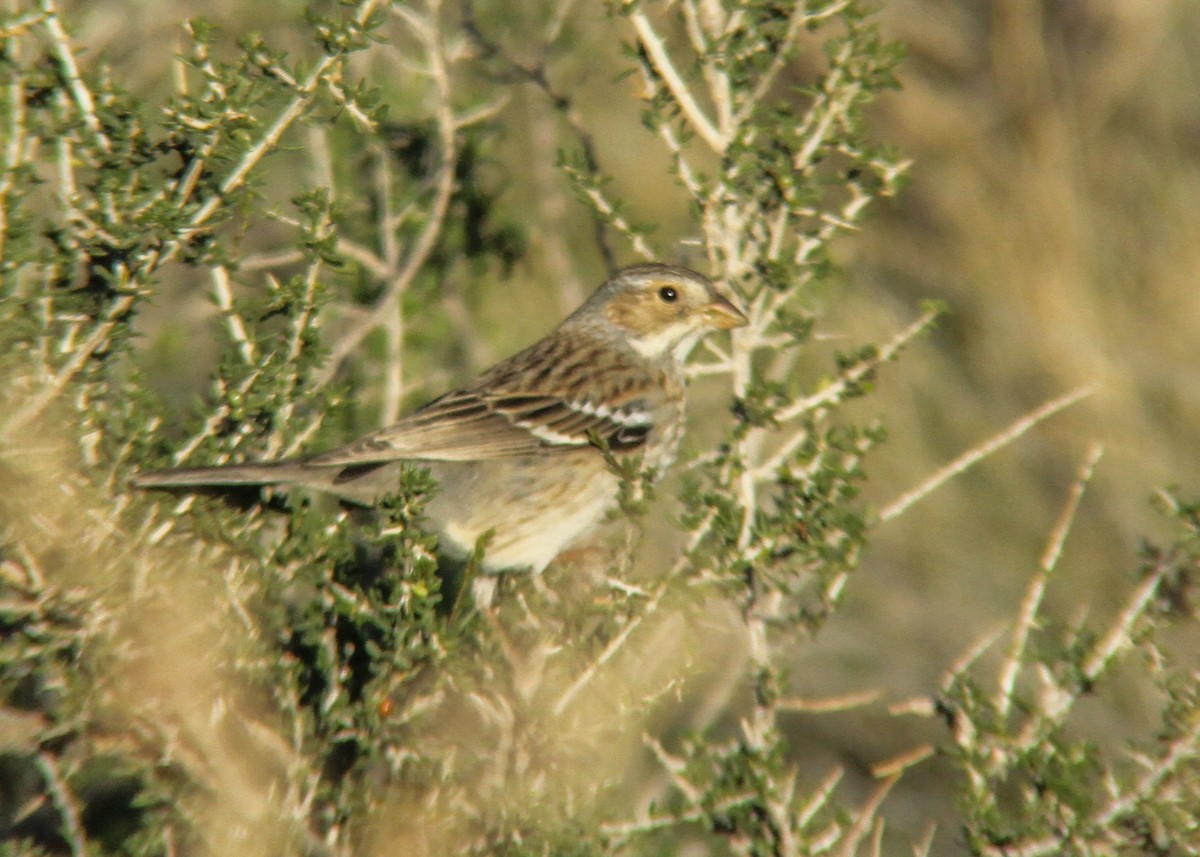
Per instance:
(668,294)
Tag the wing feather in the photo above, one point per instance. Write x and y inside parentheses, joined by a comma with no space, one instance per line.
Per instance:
(497,418)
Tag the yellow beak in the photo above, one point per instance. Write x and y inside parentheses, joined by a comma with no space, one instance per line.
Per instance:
(723,315)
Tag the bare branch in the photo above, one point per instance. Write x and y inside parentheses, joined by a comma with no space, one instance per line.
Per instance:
(657,51)
(1031,603)
(70,70)
(902,503)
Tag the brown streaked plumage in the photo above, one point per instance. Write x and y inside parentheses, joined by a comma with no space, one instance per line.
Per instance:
(512,450)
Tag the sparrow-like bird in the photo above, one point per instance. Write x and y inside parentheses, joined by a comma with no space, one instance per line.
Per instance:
(513,451)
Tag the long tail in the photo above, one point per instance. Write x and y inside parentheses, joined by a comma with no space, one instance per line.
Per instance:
(264,473)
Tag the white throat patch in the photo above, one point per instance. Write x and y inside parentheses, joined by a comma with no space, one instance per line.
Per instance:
(677,339)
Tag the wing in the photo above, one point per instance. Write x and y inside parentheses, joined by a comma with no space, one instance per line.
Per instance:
(520,407)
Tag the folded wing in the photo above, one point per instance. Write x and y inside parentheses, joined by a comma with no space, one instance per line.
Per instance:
(475,425)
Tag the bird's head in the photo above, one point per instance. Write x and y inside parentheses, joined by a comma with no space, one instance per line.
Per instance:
(662,310)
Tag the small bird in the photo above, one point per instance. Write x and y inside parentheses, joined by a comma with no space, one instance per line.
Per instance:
(514,451)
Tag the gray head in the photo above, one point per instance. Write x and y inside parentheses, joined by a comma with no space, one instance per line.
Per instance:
(659,310)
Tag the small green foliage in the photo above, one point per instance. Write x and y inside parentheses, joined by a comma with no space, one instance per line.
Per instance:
(360,626)
(1032,782)
(298,239)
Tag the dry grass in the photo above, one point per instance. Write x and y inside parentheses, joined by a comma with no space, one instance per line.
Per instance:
(164,629)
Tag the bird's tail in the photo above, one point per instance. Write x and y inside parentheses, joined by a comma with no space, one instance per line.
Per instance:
(264,473)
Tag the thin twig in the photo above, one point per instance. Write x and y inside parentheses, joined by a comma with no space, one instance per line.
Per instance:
(565,106)
(1031,603)
(864,817)
(657,52)
(119,308)
(648,606)
(902,503)
(801,17)
(855,375)
(900,763)
(68,812)
(70,70)
(1120,635)
(834,392)
(223,295)
(428,33)
(828,704)
(14,147)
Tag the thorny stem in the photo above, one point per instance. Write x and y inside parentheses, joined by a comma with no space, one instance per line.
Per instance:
(14,147)
(1031,603)
(60,795)
(657,51)
(70,70)
(223,295)
(737,239)
(971,457)
(1106,820)
(648,608)
(801,17)
(834,392)
(387,224)
(157,256)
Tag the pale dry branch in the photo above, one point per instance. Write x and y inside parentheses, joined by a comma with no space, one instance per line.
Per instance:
(223,295)
(298,326)
(649,605)
(565,105)
(973,653)
(1031,602)
(608,212)
(213,421)
(674,767)
(864,817)
(20,25)
(1182,750)
(973,456)
(900,763)
(1106,819)
(82,96)
(835,392)
(68,812)
(35,404)
(663,65)
(700,23)
(302,97)
(393,371)
(921,848)
(118,309)
(820,797)
(819,121)
(801,17)
(1120,634)
(828,704)
(14,146)
(649,824)
(855,375)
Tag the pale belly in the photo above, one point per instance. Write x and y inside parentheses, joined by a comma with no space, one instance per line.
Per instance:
(534,510)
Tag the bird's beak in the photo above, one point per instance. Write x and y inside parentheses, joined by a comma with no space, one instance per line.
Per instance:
(722,314)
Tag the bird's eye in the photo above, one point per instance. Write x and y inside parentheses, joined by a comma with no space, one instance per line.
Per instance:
(668,294)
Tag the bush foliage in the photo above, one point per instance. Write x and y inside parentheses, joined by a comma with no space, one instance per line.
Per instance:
(273,674)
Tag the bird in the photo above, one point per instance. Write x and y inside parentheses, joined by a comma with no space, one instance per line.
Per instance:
(522,451)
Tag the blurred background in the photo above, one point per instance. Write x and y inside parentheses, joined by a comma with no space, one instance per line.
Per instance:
(1052,205)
